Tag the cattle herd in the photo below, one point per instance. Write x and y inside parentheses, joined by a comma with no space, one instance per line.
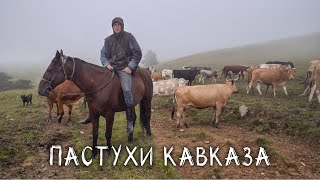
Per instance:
(177,83)
(272,73)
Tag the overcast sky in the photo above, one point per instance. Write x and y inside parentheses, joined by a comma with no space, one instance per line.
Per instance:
(31,31)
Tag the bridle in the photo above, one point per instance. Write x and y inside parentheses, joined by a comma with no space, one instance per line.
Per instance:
(63,61)
(70,77)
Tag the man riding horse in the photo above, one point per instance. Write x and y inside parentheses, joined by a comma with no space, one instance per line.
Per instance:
(121,53)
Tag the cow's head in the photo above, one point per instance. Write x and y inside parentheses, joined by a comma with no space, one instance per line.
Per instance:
(182,82)
(233,84)
(290,72)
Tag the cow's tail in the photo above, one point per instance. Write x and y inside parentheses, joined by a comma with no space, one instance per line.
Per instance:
(174,104)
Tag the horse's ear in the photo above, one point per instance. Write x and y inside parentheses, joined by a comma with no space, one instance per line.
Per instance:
(57,54)
(61,52)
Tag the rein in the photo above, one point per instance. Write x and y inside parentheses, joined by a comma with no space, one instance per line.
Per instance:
(71,77)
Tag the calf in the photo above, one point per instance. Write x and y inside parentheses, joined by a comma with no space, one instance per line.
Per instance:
(274,77)
(167,87)
(189,75)
(203,96)
(167,74)
(26,99)
(204,74)
(66,93)
(156,76)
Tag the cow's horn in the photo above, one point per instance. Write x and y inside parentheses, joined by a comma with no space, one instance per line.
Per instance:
(237,78)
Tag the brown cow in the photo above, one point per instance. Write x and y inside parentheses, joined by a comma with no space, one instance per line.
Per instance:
(264,66)
(66,93)
(156,76)
(234,69)
(316,86)
(203,96)
(274,77)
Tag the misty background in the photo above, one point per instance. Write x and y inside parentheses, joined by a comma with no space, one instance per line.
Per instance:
(31,31)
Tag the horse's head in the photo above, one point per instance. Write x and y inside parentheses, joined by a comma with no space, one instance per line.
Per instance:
(56,73)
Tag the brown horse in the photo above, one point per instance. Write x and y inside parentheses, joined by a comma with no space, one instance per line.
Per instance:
(102,90)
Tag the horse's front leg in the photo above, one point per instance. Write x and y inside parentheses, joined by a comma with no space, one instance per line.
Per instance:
(95,131)
(108,133)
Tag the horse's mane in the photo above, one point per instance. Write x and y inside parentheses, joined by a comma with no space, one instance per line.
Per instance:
(99,68)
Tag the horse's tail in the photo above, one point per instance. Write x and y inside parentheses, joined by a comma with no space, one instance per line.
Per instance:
(174,104)
(145,103)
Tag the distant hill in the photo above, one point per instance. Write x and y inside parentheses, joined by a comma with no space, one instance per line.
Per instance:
(301,48)
(7,84)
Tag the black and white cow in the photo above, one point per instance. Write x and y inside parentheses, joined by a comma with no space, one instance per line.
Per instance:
(185,74)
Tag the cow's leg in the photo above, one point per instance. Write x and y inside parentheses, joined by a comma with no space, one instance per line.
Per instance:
(285,90)
(249,87)
(108,133)
(203,79)
(305,91)
(50,105)
(313,89)
(267,89)
(218,111)
(318,95)
(200,79)
(274,90)
(213,115)
(69,112)
(57,109)
(184,119)
(61,111)
(179,115)
(258,88)
(214,79)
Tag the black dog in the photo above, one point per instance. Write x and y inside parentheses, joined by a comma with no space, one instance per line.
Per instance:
(26,99)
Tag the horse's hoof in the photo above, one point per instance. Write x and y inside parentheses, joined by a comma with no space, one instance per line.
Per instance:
(178,125)
(130,138)
(186,125)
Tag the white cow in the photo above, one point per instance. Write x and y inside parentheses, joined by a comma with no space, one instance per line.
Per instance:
(208,74)
(167,73)
(273,66)
(167,87)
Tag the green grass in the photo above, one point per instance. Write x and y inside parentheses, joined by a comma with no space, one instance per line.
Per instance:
(20,128)
(21,131)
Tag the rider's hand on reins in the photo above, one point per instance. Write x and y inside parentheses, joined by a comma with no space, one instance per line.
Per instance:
(127,70)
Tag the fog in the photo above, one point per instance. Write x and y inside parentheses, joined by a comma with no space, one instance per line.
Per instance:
(31,31)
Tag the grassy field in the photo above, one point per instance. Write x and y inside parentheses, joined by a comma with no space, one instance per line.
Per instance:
(26,136)
(286,127)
